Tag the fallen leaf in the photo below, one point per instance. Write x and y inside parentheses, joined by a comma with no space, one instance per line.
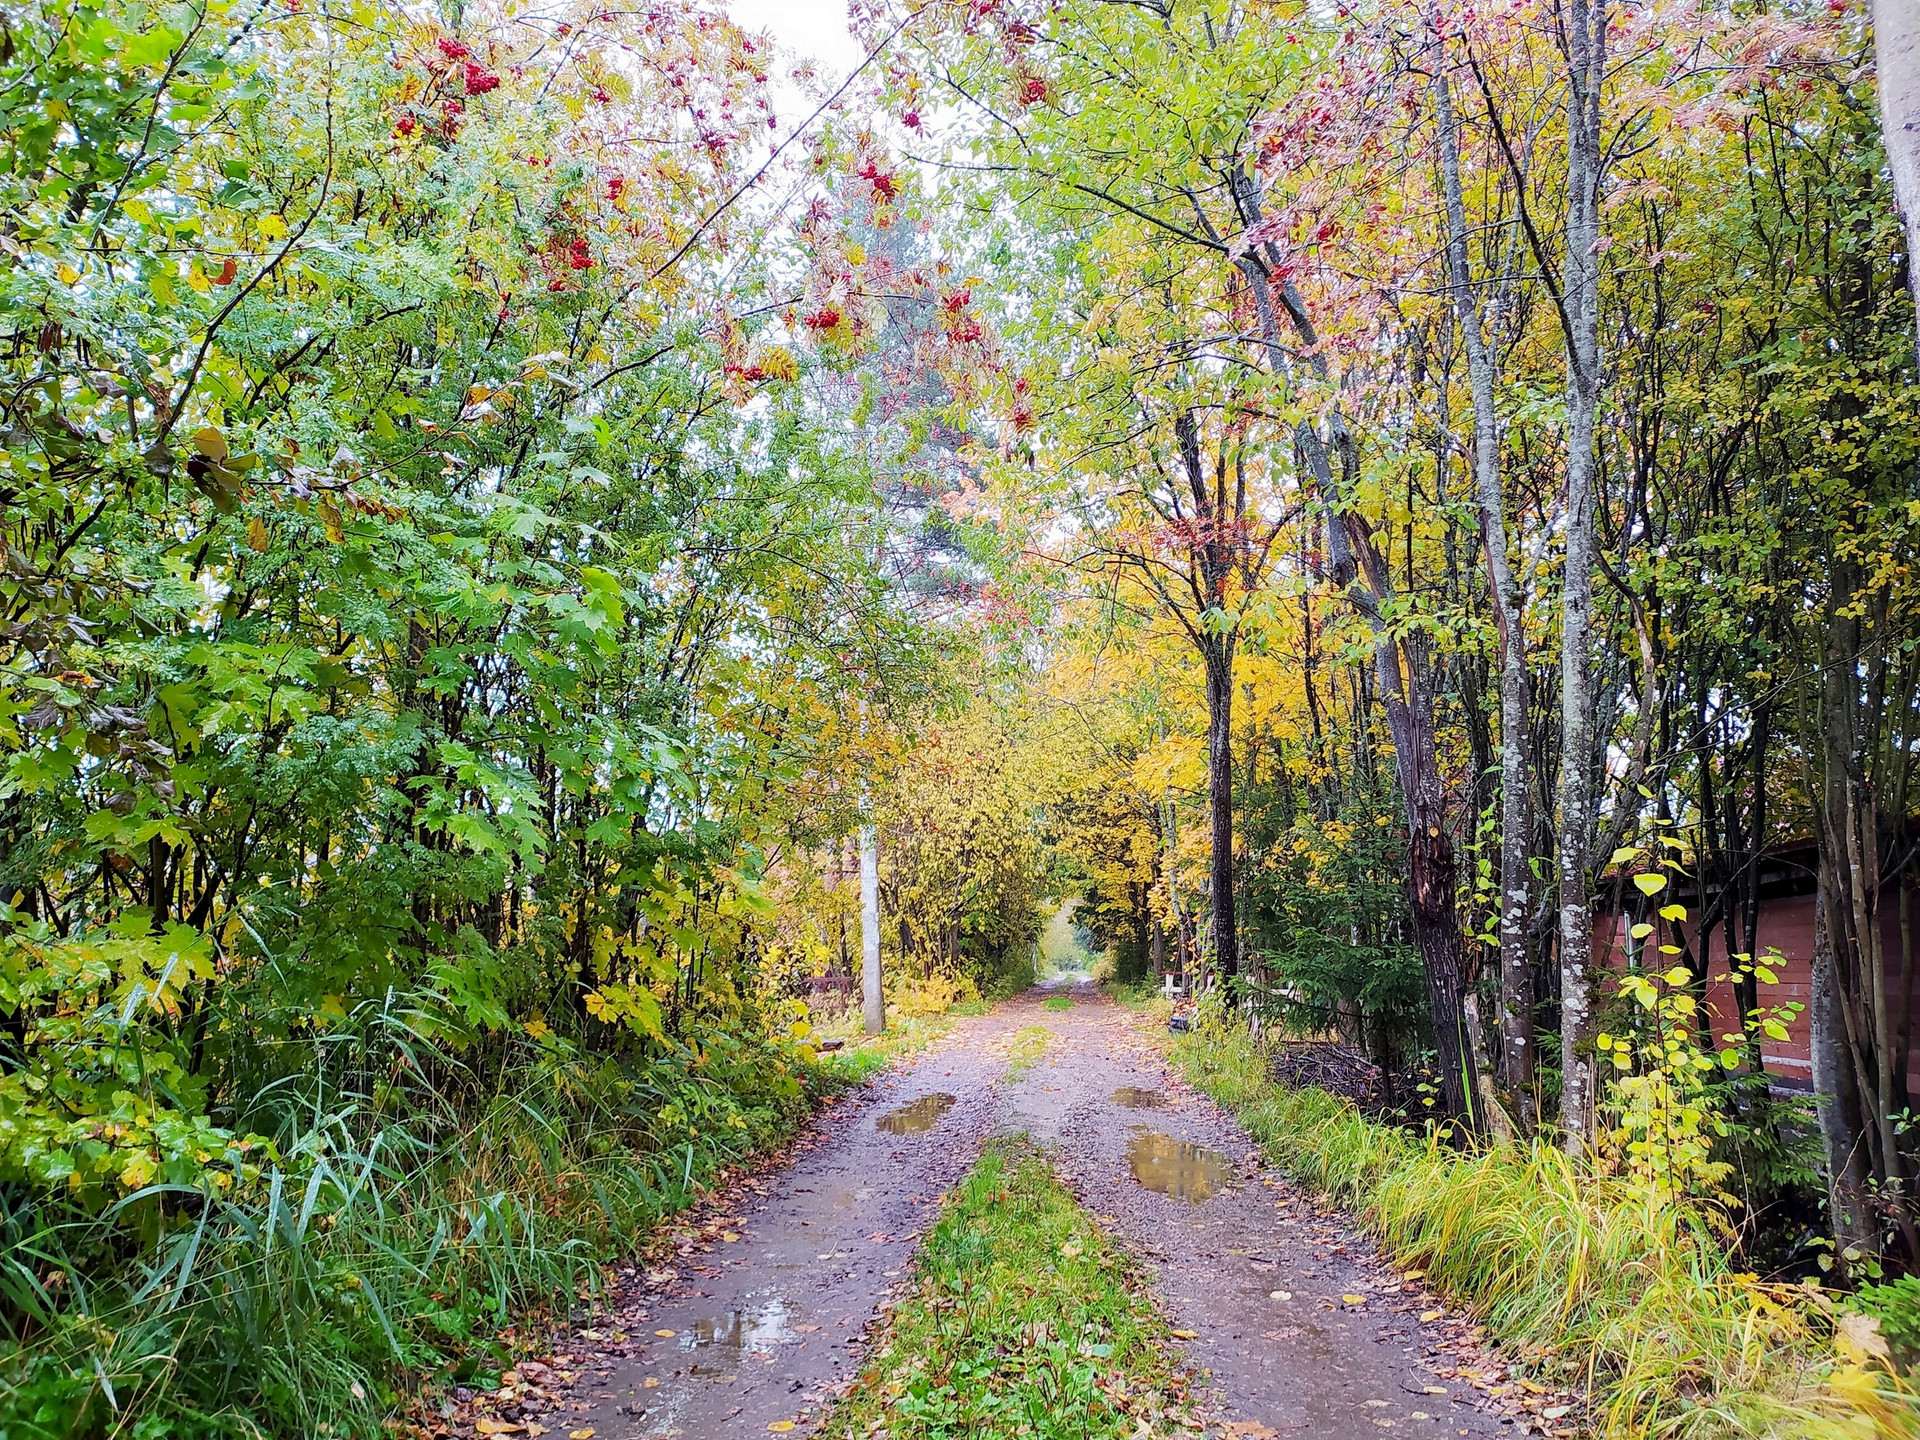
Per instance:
(1555,1412)
(650,1383)
(1071,1250)
(1353,1299)
(1427,1316)
(1858,1337)
(1184,1334)
(533,1429)
(731,1236)
(1280,1295)
(806,1329)
(780,1427)
(664,1334)
(486,1425)
(586,1434)
(1251,1430)
(1434,1390)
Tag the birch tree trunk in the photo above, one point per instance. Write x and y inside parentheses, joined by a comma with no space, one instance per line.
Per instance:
(1896,55)
(1586,40)
(1517,1046)
(1226,937)
(871,991)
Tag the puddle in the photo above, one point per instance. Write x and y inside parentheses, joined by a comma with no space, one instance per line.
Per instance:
(1173,1167)
(1135,1098)
(915,1116)
(760,1328)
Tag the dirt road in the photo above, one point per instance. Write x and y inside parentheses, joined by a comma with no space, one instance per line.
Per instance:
(1298,1326)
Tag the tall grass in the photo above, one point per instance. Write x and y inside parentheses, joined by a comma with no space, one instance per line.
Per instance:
(411,1235)
(1593,1279)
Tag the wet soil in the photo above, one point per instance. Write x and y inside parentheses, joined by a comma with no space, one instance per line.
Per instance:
(1291,1322)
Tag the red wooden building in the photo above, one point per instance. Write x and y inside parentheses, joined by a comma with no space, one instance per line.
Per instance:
(1785,928)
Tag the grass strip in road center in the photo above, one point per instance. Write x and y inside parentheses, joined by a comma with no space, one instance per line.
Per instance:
(1025,1320)
(1029,1043)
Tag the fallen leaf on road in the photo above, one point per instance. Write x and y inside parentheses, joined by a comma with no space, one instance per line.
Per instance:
(488,1426)
(806,1329)
(650,1383)
(1251,1430)
(730,1236)
(1434,1390)
(1353,1299)
(780,1427)
(664,1334)
(1429,1315)
(1184,1334)
(586,1434)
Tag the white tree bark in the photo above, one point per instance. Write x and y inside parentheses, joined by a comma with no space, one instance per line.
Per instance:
(1516,965)
(1586,36)
(871,991)
(1896,54)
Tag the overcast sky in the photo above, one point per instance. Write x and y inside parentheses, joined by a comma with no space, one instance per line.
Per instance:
(816,29)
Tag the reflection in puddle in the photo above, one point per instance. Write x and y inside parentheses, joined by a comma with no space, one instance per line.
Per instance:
(760,1328)
(1173,1167)
(915,1116)
(1137,1099)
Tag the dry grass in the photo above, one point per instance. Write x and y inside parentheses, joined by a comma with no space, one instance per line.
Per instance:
(1592,1280)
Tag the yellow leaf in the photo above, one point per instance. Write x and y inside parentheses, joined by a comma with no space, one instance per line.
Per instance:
(1353,1299)
(582,1434)
(1650,884)
(68,275)
(210,443)
(273,227)
(487,1425)
(257,537)
(650,1383)
(664,1334)
(1427,1317)
(730,1236)
(197,279)
(1184,1334)
(780,1427)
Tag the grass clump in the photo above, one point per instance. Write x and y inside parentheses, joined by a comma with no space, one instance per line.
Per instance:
(1597,1281)
(1029,1043)
(1057,1003)
(1024,1320)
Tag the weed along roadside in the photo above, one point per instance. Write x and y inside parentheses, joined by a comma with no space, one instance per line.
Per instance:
(1593,1283)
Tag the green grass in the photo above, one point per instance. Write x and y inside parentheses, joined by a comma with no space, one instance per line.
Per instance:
(1593,1281)
(1024,1320)
(1029,1043)
(388,1256)
(1057,1003)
